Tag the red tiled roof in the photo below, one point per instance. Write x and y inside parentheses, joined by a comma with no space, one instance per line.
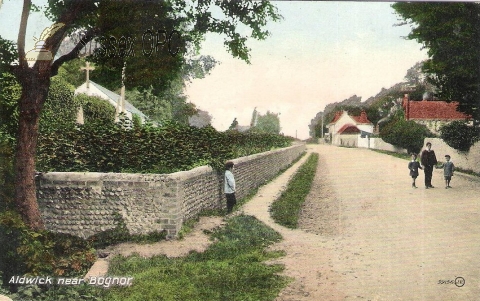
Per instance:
(362,118)
(435,110)
(359,119)
(337,116)
(348,129)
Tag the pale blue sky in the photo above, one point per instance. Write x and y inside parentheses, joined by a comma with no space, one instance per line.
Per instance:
(321,52)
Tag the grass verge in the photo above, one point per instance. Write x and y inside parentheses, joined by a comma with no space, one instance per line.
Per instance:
(286,208)
(189,224)
(232,268)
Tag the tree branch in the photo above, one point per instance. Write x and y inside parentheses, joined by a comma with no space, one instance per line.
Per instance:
(89,35)
(22,33)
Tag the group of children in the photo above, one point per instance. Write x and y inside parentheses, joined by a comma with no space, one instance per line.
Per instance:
(428,162)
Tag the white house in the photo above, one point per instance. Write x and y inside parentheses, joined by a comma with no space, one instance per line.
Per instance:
(347,130)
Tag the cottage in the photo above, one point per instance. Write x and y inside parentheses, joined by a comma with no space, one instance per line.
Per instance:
(346,130)
(432,114)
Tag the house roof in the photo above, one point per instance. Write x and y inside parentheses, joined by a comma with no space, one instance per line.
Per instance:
(116,97)
(337,116)
(349,129)
(432,110)
(362,119)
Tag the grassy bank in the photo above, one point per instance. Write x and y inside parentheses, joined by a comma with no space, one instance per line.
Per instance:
(286,208)
(230,269)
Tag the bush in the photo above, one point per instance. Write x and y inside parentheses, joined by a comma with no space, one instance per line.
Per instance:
(459,135)
(405,134)
(96,109)
(41,252)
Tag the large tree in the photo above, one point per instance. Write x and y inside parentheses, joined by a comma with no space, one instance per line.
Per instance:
(451,33)
(176,26)
(268,123)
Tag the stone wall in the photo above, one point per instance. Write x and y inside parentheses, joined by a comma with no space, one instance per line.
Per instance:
(84,204)
(468,161)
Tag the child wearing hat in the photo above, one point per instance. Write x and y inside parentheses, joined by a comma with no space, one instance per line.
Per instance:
(448,169)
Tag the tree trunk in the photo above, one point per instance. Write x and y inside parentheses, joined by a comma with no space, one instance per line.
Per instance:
(35,87)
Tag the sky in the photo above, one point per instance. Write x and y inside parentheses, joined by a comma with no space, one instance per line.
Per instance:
(321,52)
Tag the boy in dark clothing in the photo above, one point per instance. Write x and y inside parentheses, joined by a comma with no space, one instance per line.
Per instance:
(428,160)
(414,165)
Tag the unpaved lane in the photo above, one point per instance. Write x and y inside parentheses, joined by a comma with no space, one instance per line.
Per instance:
(370,236)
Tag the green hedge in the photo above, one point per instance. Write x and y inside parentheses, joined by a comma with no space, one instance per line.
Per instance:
(170,148)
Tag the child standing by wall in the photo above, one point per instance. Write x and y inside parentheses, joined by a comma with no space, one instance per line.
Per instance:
(229,186)
(448,169)
(414,165)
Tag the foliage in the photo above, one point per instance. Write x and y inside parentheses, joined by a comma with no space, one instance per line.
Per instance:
(234,124)
(285,210)
(82,292)
(95,109)
(459,135)
(71,72)
(232,268)
(59,111)
(8,54)
(60,108)
(405,134)
(6,176)
(170,148)
(451,33)
(268,123)
(43,252)
(157,109)
(10,92)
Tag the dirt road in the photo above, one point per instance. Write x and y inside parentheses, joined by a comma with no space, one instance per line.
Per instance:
(368,235)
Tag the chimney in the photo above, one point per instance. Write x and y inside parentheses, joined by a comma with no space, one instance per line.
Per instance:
(406,105)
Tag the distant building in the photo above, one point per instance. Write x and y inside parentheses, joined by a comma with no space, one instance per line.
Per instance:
(432,114)
(346,130)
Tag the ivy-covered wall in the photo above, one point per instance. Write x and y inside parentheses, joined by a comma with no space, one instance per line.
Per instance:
(84,204)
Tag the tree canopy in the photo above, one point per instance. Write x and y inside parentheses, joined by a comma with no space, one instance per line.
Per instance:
(451,33)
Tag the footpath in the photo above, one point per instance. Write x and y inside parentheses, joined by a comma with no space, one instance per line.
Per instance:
(365,233)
